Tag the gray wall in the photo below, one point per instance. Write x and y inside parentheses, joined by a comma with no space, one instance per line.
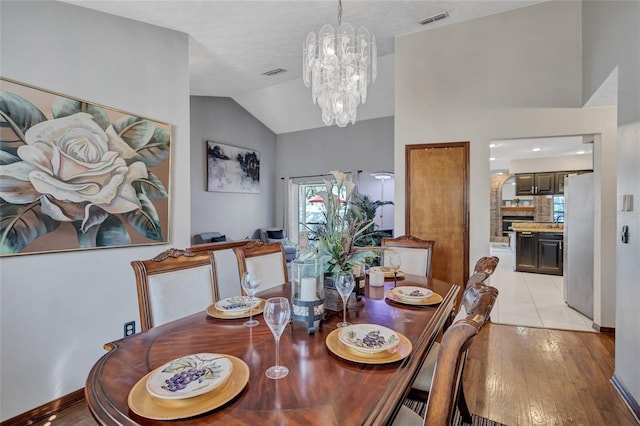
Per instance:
(611,37)
(237,215)
(366,145)
(57,310)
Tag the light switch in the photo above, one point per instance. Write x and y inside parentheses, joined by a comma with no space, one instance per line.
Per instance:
(627,203)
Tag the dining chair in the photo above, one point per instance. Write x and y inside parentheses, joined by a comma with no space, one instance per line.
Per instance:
(268,260)
(486,264)
(415,254)
(174,284)
(477,303)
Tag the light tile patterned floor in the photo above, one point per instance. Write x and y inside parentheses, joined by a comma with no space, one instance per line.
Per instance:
(531,300)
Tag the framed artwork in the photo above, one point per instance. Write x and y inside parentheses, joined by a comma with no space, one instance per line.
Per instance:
(232,169)
(76,175)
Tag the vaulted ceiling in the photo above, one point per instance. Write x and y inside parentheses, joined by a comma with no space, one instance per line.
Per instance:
(233,42)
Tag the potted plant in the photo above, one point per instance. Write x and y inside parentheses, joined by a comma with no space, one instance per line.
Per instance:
(342,226)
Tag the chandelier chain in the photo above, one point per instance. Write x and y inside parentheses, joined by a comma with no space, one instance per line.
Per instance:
(339,12)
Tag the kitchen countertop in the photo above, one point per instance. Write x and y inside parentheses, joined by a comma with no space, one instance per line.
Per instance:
(548,227)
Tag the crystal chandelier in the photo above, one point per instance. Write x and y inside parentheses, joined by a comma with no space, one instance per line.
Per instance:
(338,66)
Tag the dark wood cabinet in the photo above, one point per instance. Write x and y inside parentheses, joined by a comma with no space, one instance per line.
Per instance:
(539,253)
(525,184)
(545,183)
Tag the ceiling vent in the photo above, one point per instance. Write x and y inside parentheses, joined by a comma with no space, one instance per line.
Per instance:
(274,72)
(433,18)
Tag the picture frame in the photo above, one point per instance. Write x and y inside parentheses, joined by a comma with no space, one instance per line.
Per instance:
(77,175)
(232,169)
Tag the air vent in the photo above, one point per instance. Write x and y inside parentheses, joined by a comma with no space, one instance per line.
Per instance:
(433,18)
(274,72)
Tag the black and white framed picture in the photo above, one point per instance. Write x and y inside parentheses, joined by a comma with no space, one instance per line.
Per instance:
(232,169)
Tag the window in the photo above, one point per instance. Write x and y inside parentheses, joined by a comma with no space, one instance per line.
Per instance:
(558,208)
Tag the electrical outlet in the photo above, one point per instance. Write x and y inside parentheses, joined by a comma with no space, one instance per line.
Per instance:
(129,328)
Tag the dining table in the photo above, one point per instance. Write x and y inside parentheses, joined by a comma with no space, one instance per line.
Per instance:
(328,383)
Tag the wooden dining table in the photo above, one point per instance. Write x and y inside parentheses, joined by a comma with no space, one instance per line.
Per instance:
(322,387)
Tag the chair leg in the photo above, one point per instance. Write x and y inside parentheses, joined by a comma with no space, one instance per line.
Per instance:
(465,415)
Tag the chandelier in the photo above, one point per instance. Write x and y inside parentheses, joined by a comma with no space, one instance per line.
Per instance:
(338,65)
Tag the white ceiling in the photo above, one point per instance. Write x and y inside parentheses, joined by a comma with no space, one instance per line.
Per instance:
(233,42)
(519,149)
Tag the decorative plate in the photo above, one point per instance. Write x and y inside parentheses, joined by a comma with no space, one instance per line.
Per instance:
(236,304)
(143,404)
(434,299)
(388,272)
(412,293)
(369,338)
(343,351)
(189,376)
(217,313)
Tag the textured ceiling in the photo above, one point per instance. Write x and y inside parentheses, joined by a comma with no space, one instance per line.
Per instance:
(233,42)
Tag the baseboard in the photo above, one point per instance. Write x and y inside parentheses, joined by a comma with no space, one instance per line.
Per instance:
(45,410)
(596,327)
(627,398)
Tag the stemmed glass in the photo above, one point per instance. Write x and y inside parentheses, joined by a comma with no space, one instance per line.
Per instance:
(277,313)
(250,284)
(394,263)
(344,285)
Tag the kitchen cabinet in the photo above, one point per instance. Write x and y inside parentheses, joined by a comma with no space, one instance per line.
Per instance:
(535,183)
(545,183)
(539,252)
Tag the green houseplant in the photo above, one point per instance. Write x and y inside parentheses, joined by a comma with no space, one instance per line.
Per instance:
(343,225)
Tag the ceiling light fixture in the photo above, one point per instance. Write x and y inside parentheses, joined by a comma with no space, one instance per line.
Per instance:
(338,65)
(580,152)
(536,149)
(492,159)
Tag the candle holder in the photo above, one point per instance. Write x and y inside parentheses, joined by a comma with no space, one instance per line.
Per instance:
(307,292)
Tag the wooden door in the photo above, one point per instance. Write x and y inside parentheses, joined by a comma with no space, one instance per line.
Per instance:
(437,205)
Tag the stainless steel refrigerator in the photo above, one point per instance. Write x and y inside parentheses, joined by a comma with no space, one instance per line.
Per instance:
(578,243)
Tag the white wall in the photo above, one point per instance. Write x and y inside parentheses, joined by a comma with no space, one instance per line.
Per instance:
(236,215)
(58,310)
(526,58)
(611,40)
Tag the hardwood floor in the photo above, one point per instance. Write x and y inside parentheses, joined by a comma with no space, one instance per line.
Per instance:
(533,376)
(519,376)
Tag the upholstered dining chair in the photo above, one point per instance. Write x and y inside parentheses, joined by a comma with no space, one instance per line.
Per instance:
(477,303)
(415,254)
(268,260)
(174,284)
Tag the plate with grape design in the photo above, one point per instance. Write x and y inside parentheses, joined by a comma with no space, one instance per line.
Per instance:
(412,294)
(236,304)
(189,376)
(369,338)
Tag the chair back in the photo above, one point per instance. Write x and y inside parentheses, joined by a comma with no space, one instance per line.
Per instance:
(174,284)
(486,264)
(415,254)
(268,260)
(447,376)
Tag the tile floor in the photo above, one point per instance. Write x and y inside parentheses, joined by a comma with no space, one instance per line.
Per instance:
(531,300)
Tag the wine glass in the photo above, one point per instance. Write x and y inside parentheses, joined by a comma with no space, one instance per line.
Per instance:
(394,263)
(277,313)
(344,285)
(250,284)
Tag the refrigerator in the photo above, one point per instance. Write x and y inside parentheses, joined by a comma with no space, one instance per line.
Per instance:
(578,243)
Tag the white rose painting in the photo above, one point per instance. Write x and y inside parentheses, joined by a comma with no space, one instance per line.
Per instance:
(75,175)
